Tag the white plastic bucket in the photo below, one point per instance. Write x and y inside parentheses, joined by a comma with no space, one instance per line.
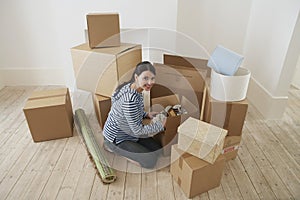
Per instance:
(230,88)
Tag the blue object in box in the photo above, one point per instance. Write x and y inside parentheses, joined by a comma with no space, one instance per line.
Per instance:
(225,61)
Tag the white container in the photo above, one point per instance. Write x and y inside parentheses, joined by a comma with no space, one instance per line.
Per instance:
(230,88)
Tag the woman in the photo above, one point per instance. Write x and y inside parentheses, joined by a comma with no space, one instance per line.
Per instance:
(124,132)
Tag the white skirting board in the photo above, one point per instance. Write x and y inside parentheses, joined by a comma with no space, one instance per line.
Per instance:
(32,76)
(271,107)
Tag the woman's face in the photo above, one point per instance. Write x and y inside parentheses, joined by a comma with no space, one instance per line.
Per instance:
(145,80)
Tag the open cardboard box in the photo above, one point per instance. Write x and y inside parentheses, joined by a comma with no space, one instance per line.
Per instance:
(169,136)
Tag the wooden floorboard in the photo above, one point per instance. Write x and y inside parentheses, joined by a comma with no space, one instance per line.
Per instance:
(267,166)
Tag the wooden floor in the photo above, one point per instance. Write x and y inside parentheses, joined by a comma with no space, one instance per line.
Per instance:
(267,167)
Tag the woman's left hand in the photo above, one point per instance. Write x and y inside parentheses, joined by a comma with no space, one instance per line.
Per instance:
(150,115)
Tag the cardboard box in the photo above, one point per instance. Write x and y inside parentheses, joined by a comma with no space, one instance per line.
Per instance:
(231,146)
(49,114)
(101,70)
(195,176)
(102,107)
(103,29)
(196,63)
(227,115)
(189,82)
(201,139)
(169,137)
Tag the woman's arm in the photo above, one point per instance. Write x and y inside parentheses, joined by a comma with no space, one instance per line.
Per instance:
(134,119)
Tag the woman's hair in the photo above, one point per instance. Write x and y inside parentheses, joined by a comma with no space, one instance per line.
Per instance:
(140,68)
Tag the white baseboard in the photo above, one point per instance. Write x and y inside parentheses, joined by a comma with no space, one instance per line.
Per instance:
(271,107)
(32,76)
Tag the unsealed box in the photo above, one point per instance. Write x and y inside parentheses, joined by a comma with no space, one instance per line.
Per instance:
(49,114)
(201,139)
(194,175)
(103,29)
(102,106)
(101,70)
(169,136)
(181,80)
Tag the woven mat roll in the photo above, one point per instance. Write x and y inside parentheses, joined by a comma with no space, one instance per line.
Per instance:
(106,173)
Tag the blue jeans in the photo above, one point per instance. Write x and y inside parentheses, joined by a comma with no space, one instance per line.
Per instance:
(145,151)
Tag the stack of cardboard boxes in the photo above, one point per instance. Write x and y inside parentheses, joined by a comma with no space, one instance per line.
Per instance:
(104,62)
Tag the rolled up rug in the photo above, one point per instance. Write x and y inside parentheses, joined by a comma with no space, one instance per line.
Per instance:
(106,173)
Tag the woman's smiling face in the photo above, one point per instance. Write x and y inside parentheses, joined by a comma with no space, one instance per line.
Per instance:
(145,80)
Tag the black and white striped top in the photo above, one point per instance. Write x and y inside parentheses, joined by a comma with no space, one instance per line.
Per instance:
(124,120)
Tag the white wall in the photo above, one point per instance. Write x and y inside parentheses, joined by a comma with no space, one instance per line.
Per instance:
(213,22)
(262,31)
(271,50)
(296,78)
(36,36)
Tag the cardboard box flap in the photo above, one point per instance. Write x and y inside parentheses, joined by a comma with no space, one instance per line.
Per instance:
(45,102)
(232,140)
(48,93)
(165,100)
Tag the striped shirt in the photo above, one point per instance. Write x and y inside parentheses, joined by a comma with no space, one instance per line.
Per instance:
(124,121)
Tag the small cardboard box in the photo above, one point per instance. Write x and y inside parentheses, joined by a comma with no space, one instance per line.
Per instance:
(102,107)
(103,29)
(195,176)
(227,115)
(101,70)
(231,146)
(49,114)
(201,139)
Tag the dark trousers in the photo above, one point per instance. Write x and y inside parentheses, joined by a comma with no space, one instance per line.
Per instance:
(145,151)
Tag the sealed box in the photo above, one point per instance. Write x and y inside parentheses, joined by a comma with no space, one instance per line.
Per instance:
(101,70)
(102,106)
(194,175)
(231,146)
(103,29)
(49,114)
(201,139)
(229,115)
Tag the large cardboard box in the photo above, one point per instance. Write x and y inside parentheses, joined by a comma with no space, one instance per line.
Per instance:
(102,107)
(201,139)
(49,114)
(184,81)
(169,136)
(103,29)
(231,146)
(227,115)
(195,176)
(101,70)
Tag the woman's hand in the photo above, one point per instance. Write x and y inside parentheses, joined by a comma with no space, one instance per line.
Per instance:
(150,115)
